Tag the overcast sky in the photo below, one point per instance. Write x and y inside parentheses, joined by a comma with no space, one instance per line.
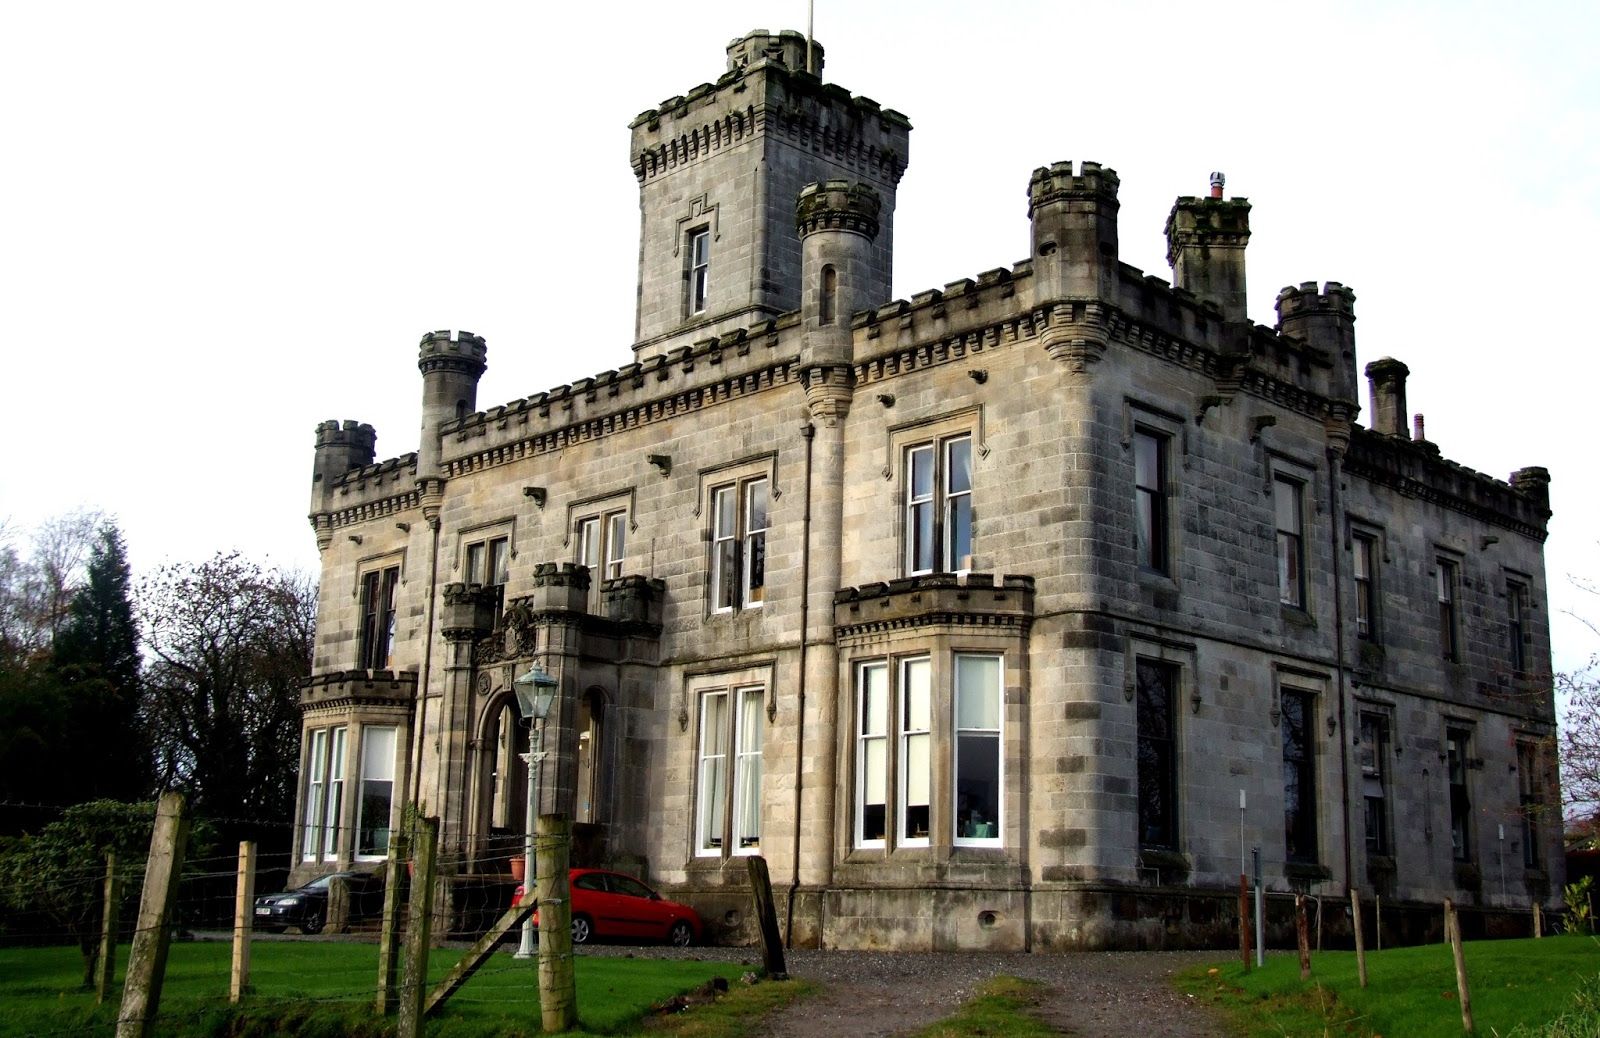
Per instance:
(223,223)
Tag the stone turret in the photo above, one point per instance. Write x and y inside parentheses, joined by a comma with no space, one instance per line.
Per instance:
(837,221)
(340,448)
(718,169)
(1206,239)
(451,364)
(1074,224)
(1324,320)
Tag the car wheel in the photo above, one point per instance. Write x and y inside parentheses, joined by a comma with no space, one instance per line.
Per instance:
(312,923)
(582,929)
(681,935)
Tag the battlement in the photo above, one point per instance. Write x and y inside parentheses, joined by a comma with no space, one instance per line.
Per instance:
(459,350)
(837,205)
(346,688)
(1059,182)
(1415,469)
(1334,298)
(357,437)
(1207,222)
(786,48)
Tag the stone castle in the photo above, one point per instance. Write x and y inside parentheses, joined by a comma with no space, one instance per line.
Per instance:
(1003,617)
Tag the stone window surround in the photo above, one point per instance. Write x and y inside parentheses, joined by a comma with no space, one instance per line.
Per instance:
(1140,416)
(936,430)
(378,566)
(696,686)
(738,473)
(482,533)
(1373,532)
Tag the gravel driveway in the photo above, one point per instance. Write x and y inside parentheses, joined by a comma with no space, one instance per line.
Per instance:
(869,994)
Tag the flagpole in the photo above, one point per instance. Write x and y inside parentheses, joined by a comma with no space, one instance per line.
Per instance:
(811,19)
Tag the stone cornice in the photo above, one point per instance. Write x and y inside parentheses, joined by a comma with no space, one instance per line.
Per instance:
(358,688)
(1415,470)
(935,600)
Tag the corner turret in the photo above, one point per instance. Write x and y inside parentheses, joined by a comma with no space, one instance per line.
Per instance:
(837,221)
(340,448)
(1074,227)
(451,364)
(1324,320)
(1206,239)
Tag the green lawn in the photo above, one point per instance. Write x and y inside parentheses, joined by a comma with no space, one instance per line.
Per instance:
(316,987)
(1411,992)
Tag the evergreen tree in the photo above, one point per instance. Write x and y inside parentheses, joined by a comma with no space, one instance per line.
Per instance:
(96,655)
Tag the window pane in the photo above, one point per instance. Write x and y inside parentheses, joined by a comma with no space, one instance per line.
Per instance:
(977,786)
(1146,461)
(921,463)
(713,768)
(875,699)
(335,813)
(978,692)
(918,695)
(475,563)
(921,532)
(958,458)
(377,790)
(1286,500)
(747,816)
(616,544)
(499,560)
(958,530)
(724,507)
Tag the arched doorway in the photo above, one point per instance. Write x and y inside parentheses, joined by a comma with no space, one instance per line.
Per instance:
(502,787)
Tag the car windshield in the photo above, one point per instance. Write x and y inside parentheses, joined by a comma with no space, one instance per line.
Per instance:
(320,883)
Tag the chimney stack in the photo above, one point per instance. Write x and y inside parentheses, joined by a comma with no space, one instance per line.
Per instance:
(1206,238)
(1386,378)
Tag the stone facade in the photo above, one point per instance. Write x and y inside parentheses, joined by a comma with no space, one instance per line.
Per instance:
(1000,617)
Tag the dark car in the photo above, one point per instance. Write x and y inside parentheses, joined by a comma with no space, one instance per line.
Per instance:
(610,904)
(307,907)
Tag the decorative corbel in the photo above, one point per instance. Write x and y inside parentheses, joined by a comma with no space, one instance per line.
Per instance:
(537,493)
(1259,424)
(662,462)
(1206,404)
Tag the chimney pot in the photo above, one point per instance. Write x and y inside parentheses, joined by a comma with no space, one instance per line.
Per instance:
(1417,428)
(1217,182)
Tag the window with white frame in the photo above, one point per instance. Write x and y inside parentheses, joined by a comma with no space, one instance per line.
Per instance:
(602,545)
(488,561)
(739,525)
(728,808)
(699,272)
(1364,550)
(376,803)
(938,506)
(893,738)
(979,760)
(1150,499)
(333,821)
(323,815)
(376,644)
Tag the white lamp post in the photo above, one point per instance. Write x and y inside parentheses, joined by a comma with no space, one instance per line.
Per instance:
(536,691)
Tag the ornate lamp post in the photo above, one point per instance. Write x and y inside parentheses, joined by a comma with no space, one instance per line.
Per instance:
(536,691)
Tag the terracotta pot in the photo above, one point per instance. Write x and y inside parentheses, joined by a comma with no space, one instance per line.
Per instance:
(519,868)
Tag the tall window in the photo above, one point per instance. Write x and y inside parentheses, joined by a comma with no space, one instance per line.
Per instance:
(872,755)
(1158,754)
(333,819)
(377,791)
(1530,800)
(1375,780)
(828,303)
(602,546)
(1516,625)
(979,772)
(739,527)
(914,797)
(1299,777)
(316,789)
(1456,743)
(1363,548)
(730,771)
(1150,483)
(939,506)
(699,270)
(1448,581)
(488,561)
(377,618)
(1286,495)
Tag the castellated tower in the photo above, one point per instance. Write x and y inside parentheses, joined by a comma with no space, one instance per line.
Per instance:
(719,171)
(838,224)
(451,364)
(1206,239)
(1073,216)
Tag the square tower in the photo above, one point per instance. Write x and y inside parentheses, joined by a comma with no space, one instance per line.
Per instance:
(719,171)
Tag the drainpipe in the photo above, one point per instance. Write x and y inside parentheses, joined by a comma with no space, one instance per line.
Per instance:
(1334,474)
(809,432)
(421,714)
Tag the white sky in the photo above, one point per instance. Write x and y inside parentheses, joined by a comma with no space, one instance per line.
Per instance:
(222,223)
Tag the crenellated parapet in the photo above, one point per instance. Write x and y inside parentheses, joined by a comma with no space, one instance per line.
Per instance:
(1415,469)
(453,351)
(634,600)
(971,600)
(345,689)
(837,205)
(469,611)
(1072,213)
(340,448)
(1062,182)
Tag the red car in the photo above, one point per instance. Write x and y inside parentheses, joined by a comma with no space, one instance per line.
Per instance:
(609,904)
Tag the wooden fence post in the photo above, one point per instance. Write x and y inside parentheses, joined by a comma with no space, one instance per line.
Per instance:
(1453,925)
(244,900)
(1244,921)
(147,958)
(1361,947)
(389,941)
(1302,936)
(110,914)
(558,993)
(1538,920)
(418,930)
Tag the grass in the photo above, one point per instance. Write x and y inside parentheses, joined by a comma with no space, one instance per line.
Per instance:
(326,988)
(1411,992)
(1002,1009)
